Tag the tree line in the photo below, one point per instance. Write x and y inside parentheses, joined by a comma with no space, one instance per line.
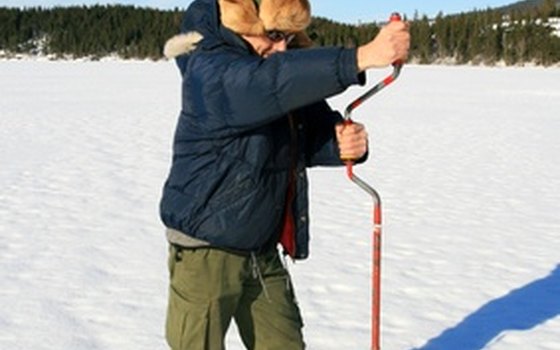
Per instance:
(95,31)
(487,37)
(490,36)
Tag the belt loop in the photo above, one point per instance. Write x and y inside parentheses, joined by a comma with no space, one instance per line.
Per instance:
(178,253)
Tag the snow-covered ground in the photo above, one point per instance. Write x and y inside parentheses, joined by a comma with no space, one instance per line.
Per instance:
(465,158)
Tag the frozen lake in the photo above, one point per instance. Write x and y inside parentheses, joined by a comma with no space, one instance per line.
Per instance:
(465,159)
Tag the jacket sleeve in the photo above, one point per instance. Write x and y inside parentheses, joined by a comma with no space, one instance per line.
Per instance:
(250,91)
(321,147)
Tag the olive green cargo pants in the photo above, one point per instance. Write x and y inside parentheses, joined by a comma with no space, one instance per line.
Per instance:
(209,287)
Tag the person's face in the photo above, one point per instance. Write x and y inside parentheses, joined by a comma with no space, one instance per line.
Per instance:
(272,42)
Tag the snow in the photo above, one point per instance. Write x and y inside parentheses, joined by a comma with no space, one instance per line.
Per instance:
(554,22)
(465,159)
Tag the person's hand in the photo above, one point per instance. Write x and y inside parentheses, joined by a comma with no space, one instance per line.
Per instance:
(391,44)
(352,140)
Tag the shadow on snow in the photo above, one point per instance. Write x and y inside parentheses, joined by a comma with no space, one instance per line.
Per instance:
(521,309)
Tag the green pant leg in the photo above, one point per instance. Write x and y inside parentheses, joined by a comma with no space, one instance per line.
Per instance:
(270,320)
(205,287)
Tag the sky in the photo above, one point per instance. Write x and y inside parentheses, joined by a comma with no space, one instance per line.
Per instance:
(343,11)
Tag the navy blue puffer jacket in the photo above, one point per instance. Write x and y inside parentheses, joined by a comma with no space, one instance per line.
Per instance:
(245,121)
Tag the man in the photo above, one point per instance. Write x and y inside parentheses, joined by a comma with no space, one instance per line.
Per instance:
(253,118)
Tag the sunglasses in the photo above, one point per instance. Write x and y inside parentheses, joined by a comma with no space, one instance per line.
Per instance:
(277,36)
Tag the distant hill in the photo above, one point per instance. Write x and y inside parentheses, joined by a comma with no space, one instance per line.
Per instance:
(525,5)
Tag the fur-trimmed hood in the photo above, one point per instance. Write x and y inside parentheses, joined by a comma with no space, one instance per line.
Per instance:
(246,17)
(181,44)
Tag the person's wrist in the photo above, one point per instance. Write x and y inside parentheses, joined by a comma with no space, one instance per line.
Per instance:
(367,58)
(361,57)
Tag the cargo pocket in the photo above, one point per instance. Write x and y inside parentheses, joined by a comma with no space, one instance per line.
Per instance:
(187,323)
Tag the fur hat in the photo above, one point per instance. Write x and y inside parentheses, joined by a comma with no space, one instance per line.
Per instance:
(246,17)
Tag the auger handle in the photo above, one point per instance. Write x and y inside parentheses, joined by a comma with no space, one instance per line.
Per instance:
(397,66)
(396,17)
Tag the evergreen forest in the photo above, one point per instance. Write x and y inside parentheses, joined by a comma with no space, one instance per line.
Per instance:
(513,36)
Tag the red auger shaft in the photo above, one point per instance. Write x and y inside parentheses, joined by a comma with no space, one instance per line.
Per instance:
(376,255)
